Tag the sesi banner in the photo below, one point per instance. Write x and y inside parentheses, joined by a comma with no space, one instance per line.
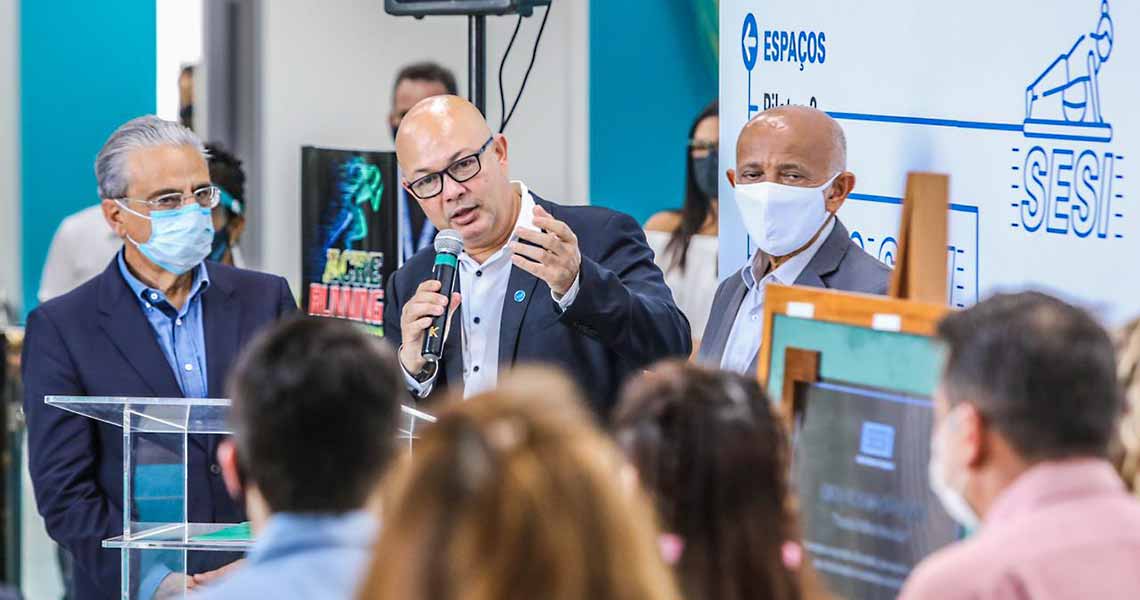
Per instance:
(1026,104)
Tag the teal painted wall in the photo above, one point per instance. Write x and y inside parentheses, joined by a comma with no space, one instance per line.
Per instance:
(85,68)
(650,75)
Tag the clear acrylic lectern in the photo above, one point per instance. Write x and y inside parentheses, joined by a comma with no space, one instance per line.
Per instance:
(157,533)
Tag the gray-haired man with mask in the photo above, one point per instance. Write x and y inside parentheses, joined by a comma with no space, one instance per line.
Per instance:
(159,321)
(790,179)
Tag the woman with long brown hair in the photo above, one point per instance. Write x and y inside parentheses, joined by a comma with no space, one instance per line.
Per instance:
(684,240)
(709,450)
(514,494)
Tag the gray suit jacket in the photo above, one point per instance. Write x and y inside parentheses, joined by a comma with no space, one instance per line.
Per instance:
(839,264)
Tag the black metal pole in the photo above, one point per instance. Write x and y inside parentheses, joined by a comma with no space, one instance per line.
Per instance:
(477,61)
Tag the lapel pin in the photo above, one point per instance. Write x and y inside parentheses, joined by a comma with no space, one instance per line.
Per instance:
(520,296)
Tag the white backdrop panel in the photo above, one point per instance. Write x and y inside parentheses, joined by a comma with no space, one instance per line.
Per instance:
(1027,104)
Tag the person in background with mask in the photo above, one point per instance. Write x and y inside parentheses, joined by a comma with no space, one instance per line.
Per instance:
(1027,403)
(684,241)
(229,215)
(416,82)
(160,321)
(790,179)
(186,97)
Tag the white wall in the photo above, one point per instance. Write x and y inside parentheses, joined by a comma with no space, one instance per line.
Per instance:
(326,79)
(9,151)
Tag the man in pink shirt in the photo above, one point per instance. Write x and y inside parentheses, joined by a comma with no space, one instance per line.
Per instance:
(1023,416)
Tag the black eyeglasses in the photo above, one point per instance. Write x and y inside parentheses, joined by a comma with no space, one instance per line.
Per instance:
(459,171)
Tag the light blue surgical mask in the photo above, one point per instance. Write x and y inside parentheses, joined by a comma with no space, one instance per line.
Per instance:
(180,239)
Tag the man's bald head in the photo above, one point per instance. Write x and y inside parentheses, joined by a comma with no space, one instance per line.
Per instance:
(798,146)
(444,131)
(816,134)
(439,119)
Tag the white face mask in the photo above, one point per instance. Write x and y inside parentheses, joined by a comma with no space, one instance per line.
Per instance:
(782,218)
(952,499)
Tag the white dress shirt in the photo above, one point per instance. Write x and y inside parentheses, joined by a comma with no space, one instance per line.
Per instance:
(748,329)
(82,248)
(484,288)
(693,287)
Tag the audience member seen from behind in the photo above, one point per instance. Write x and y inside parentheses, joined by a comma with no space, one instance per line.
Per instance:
(1126,449)
(684,241)
(714,457)
(229,214)
(514,495)
(315,408)
(1027,403)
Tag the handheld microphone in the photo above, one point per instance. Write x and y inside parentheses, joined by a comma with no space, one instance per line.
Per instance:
(448,245)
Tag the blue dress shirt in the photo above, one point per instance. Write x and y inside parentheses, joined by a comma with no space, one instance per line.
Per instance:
(182,337)
(180,333)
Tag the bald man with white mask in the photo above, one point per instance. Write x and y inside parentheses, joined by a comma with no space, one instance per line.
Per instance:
(575,287)
(790,179)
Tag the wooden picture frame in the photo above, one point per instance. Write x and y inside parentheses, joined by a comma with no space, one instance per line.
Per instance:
(860,310)
(800,366)
(920,272)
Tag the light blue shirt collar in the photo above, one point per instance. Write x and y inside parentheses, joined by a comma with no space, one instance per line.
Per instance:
(150,295)
(289,533)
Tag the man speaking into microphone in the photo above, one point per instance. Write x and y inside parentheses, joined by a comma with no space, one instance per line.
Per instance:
(575,287)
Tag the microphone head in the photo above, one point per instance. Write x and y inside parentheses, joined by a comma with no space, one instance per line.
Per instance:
(449,241)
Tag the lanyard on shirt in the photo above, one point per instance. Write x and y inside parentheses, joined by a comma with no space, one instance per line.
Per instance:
(426,232)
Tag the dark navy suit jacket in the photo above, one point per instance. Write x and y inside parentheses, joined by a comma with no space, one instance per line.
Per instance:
(622,320)
(96,341)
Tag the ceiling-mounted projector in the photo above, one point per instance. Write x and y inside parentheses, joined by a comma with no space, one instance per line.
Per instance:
(423,8)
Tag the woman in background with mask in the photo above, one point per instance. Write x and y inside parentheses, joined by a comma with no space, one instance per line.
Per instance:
(685,241)
(229,214)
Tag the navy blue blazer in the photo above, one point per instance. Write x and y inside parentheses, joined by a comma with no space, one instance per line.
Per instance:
(96,341)
(622,320)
